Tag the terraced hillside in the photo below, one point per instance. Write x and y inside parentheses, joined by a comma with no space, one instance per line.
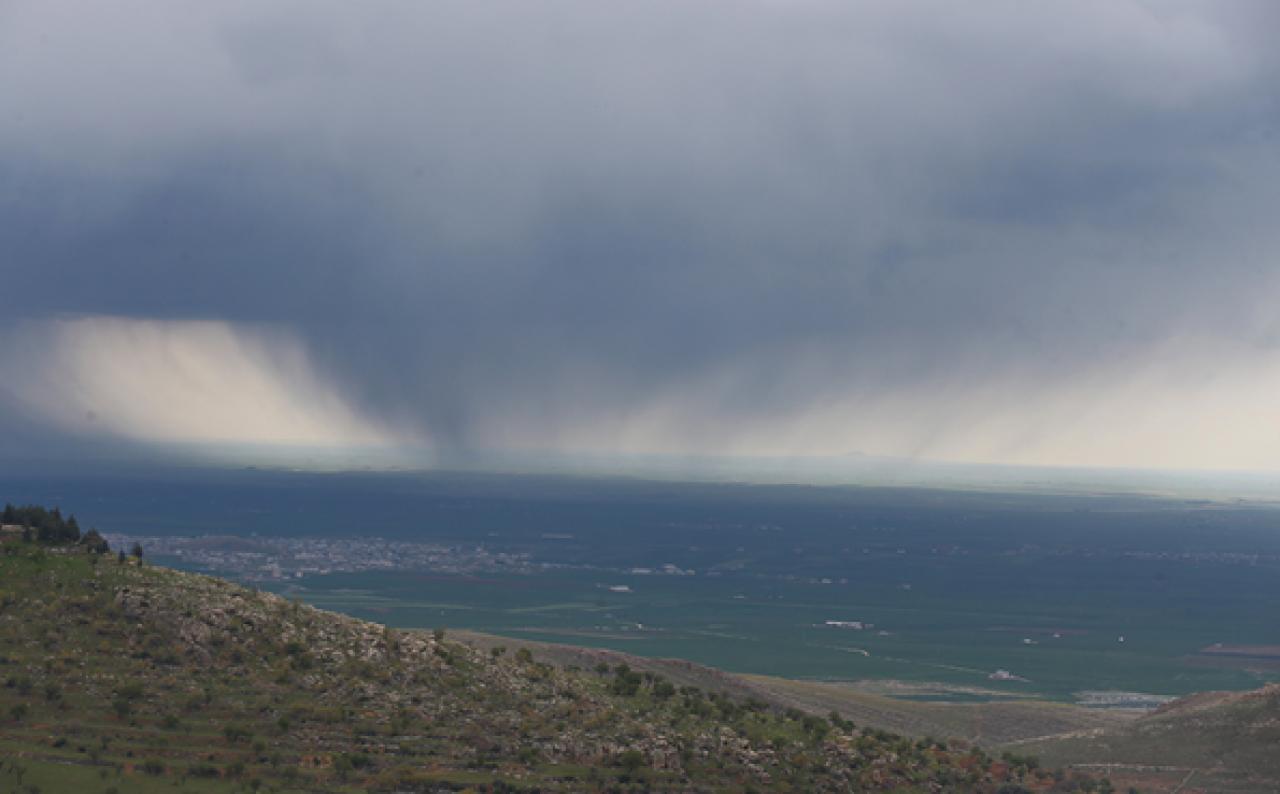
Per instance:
(130,677)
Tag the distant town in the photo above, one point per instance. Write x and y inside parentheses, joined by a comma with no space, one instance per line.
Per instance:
(264,559)
(261,559)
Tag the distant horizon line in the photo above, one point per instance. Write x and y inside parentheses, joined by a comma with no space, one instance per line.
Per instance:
(852,468)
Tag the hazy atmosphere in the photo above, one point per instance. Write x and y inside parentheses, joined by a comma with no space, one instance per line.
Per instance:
(1005,233)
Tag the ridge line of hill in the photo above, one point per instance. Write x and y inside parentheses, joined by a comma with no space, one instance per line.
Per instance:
(119,674)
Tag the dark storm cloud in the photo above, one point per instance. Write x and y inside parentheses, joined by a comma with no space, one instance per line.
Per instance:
(705,227)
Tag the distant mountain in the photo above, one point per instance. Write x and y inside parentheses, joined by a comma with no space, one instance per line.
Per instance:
(119,675)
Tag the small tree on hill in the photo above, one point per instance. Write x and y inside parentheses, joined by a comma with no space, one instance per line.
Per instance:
(94,543)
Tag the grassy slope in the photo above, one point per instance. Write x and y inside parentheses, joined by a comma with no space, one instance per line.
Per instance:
(141,678)
(991,725)
(1215,741)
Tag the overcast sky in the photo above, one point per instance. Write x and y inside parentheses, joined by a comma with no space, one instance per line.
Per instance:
(1015,232)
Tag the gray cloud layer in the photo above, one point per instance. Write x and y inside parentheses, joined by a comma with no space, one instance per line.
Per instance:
(996,232)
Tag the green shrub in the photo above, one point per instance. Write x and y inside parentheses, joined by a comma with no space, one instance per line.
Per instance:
(202,771)
(631,760)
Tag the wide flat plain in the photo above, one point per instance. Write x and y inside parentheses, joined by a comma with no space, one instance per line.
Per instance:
(1068,593)
(931,633)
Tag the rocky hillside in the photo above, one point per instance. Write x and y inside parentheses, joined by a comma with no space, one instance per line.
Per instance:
(996,725)
(129,677)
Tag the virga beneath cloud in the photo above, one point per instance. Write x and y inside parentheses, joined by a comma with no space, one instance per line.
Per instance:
(1012,232)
